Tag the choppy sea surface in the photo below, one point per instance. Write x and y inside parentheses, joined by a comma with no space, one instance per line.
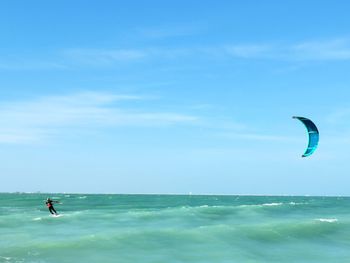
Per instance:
(174,228)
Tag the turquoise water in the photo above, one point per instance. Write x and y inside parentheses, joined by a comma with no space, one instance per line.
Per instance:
(174,228)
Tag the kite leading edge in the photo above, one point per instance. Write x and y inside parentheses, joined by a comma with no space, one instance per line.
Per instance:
(313,135)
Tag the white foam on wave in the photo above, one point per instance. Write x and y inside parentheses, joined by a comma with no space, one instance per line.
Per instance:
(37,219)
(6,258)
(260,205)
(82,197)
(272,204)
(328,220)
(244,206)
(294,203)
(57,215)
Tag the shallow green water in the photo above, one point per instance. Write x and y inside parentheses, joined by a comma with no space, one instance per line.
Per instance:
(173,228)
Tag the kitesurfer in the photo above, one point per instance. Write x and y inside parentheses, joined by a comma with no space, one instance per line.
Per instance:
(49,205)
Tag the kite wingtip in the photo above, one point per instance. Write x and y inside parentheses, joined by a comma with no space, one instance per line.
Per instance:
(306,155)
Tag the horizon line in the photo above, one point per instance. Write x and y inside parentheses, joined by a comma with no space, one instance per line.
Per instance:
(179,194)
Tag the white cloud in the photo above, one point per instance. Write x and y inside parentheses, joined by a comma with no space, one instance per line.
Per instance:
(30,121)
(331,49)
(104,56)
(29,64)
(250,50)
(17,136)
(113,57)
(324,50)
(258,137)
(336,49)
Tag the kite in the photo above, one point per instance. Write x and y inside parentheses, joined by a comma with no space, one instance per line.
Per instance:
(313,135)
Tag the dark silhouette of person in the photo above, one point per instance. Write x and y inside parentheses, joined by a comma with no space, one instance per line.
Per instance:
(49,205)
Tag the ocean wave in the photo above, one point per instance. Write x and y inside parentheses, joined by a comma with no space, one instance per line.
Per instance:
(328,220)
(5,258)
(204,212)
(259,205)
(142,229)
(295,203)
(272,204)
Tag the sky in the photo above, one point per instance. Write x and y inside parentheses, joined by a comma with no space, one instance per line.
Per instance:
(174,96)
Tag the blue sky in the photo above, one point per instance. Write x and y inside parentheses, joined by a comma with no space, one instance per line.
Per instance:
(160,97)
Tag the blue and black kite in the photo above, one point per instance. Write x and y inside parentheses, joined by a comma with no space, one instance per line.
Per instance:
(313,135)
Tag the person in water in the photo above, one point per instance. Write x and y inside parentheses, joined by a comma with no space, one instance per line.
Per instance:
(50,206)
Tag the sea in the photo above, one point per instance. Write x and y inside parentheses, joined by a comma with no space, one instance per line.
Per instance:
(174,228)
